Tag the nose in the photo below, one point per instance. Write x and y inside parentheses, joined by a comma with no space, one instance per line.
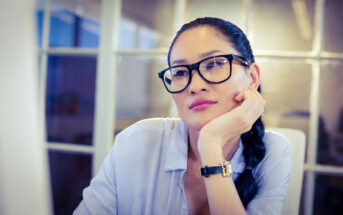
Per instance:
(198,84)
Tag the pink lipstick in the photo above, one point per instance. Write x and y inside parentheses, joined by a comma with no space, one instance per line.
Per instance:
(201,104)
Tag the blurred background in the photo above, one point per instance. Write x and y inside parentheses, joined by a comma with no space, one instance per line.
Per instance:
(98,62)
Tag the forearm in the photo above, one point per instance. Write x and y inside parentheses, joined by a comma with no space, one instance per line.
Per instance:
(221,191)
(222,196)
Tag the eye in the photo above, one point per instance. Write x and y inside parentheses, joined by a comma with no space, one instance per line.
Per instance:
(215,63)
(179,73)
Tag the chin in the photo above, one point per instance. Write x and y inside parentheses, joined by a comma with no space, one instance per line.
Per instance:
(196,123)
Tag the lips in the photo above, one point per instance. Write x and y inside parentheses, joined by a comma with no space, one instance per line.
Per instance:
(201,104)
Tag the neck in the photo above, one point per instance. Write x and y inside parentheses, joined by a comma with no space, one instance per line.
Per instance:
(193,152)
(229,148)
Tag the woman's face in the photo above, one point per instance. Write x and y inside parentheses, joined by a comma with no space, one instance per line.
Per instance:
(213,100)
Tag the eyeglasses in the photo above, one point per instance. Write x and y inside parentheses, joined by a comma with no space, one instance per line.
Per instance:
(214,70)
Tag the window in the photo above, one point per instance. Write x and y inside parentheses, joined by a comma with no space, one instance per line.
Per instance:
(99,75)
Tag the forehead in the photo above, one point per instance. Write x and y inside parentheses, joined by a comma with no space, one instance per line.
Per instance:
(193,43)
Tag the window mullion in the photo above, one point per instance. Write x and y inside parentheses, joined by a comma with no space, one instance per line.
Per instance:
(105,82)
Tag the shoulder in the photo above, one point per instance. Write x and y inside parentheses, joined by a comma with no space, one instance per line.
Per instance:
(275,142)
(153,124)
(273,172)
(147,134)
(143,148)
(278,154)
(149,128)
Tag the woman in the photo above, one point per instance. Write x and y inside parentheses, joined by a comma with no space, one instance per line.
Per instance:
(153,166)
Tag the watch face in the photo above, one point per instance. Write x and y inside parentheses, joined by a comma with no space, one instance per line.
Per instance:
(227,168)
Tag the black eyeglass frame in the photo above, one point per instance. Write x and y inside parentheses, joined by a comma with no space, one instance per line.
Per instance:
(195,66)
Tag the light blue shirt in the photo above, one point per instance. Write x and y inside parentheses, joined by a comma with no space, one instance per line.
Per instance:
(142,174)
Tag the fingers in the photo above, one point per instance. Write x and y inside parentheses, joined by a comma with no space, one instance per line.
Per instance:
(252,104)
(250,95)
(239,97)
(250,91)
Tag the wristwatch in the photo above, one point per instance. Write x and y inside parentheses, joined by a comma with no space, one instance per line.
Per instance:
(225,169)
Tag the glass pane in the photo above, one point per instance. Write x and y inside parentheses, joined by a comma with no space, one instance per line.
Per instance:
(285,24)
(333,28)
(70,174)
(39,20)
(231,10)
(146,24)
(140,92)
(75,23)
(70,99)
(328,195)
(286,86)
(330,131)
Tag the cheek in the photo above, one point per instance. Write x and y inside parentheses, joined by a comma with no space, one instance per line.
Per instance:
(229,100)
(237,84)
(228,92)
(242,78)
(239,80)
(179,100)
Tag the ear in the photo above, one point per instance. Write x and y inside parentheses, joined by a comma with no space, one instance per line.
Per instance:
(254,73)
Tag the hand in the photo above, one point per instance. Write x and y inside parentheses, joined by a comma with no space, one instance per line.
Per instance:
(230,125)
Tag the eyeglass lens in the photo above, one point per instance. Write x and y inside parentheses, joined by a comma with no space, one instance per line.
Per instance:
(212,70)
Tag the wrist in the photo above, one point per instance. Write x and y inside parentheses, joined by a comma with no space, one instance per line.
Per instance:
(225,169)
(209,142)
(211,154)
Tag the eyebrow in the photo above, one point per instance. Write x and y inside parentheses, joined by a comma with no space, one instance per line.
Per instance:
(202,55)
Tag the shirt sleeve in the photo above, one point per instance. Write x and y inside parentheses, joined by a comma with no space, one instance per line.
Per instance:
(100,196)
(272,174)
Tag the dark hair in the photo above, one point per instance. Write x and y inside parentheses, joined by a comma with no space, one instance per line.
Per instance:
(252,140)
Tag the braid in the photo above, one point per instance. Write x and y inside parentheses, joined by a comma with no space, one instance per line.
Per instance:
(253,152)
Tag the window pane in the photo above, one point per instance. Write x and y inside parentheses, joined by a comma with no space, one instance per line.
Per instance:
(75,23)
(231,10)
(286,86)
(70,174)
(333,28)
(328,195)
(70,99)
(285,24)
(330,131)
(39,20)
(146,24)
(140,92)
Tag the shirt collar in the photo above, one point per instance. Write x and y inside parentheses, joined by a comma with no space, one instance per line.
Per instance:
(176,158)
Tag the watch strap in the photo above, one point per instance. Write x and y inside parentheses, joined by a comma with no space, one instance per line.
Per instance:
(225,169)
